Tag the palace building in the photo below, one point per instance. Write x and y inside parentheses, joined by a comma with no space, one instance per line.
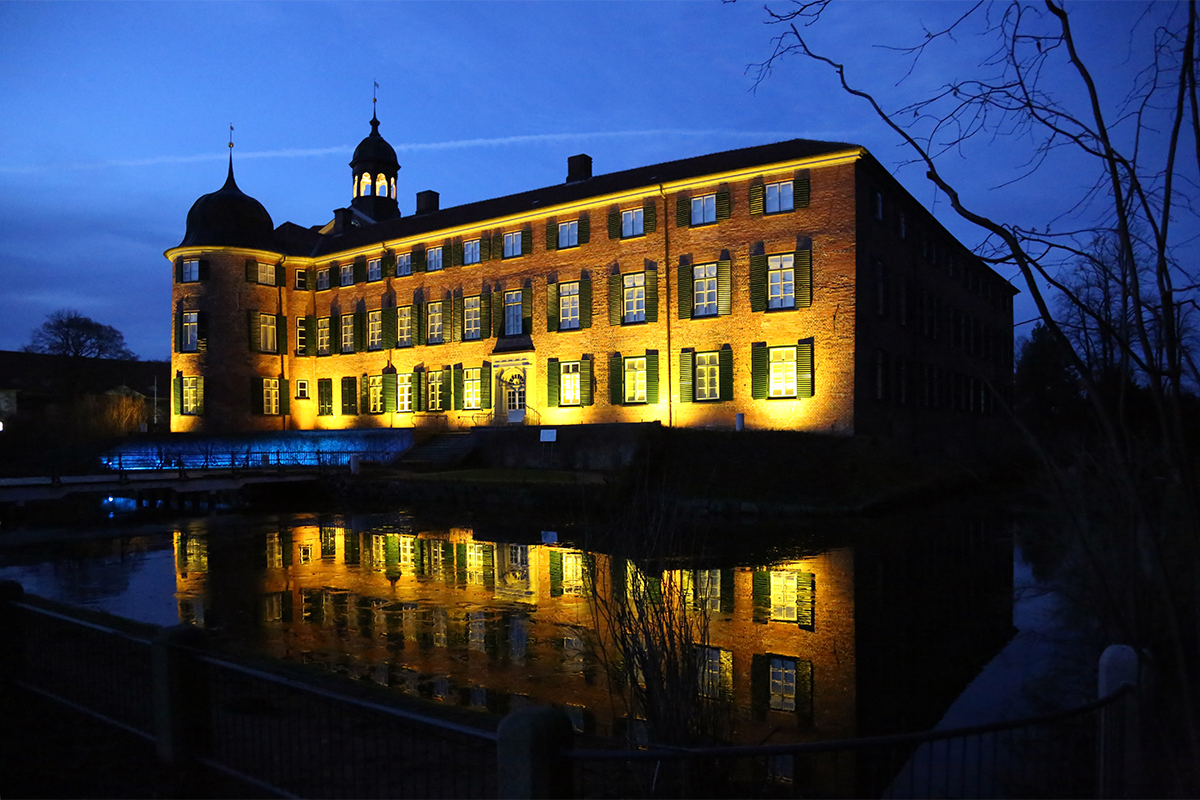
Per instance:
(796,284)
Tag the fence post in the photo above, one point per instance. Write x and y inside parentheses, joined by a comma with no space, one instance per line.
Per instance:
(1119,757)
(13,656)
(529,762)
(181,694)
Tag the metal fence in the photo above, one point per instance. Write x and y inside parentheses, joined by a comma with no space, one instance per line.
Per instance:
(164,459)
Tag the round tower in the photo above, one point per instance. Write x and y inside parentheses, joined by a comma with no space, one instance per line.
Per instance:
(375,168)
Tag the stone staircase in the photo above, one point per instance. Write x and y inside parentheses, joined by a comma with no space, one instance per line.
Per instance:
(443,451)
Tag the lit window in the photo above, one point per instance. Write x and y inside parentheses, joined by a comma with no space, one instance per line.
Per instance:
(635,380)
(512,313)
(783,684)
(404,392)
(191,271)
(375,394)
(322,279)
(381,189)
(471,252)
(714,670)
(323,336)
(631,223)
(301,390)
(512,244)
(435,390)
(191,332)
(404,326)
(704,209)
(347,333)
(301,339)
(707,589)
(301,279)
(568,306)
(634,294)
(374,330)
(704,290)
(266,274)
(407,550)
(270,395)
(435,324)
(779,197)
(572,573)
(568,234)
(403,264)
(324,397)
(783,596)
(706,377)
(781,281)
(783,371)
(193,396)
(266,333)
(433,259)
(471,329)
(374,269)
(364,186)
(471,388)
(347,275)
(569,384)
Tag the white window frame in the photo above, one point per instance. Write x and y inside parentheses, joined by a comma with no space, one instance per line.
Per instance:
(404,392)
(191,332)
(781,365)
(271,396)
(375,269)
(512,244)
(375,330)
(704,209)
(433,259)
(375,394)
(302,389)
(784,585)
(471,252)
(403,264)
(512,312)
(778,198)
(322,279)
(633,298)
(471,318)
(568,384)
(704,290)
(708,671)
(568,234)
(781,281)
(268,339)
(266,274)
(568,306)
(301,279)
(782,684)
(347,333)
(346,275)
(404,326)
(434,329)
(190,272)
(632,223)
(707,377)
(323,336)
(190,405)
(435,391)
(472,389)
(635,379)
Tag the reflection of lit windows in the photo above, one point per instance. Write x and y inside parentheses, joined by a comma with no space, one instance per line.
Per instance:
(441,687)
(714,670)
(572,653)
(518,638)
(478,697)
(475,563)
(781,768)
(329,538)
(273,607)
(783,596)
(306,554)
(378,549)
(708,589)
(476,629)
(274,551)
(407,550)
(195,554)
(441,621)
(576,715)
(783,684)
(573,573)
(518,556)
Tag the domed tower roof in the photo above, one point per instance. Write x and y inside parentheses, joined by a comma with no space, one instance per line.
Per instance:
(374,168)
(229,218)
(375,148)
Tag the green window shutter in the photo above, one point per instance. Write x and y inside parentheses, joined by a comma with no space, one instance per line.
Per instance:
(804,368)
(801,189)
(498,314)
(722,204)
(335,333)
(526,309)
(456,253)
(177,395)
(251,271)
(280,275)
(204,270)
(806,599)
(651,294)
(804,693)
(551,306)
(552,233)
(252,324)
(388,321)
(178,331)
(310,335)
(256,396)
(687,359)
(651,376)
(310,279)
(758,282)
(726,591)
(759,371)
(364,396)
(802,262)
(360,331)
(485,247)
(585,301)
(758,196)
(485,315)
(360,269)
(760,684)
(485,385)
(586,396)
(179,269)
(614,224)
(556,573)
(725,372)
(389,264)
(199,396)
(389,391)
(585,228)
(683,211)
(460,562)
(616,378)
(458,387)
(526,240)
(614,300)
(649,216)
(418,322)
(418,258)
(761,595)
(724,287)
(552,382)
(498,244)
(456,322)
(418,384)
(202,331)
(285,397)
(281,332)
(684,274)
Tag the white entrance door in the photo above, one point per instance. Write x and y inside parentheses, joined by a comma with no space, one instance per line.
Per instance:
(514,399)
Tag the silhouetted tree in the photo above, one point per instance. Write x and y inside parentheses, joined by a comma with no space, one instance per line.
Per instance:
(66,332)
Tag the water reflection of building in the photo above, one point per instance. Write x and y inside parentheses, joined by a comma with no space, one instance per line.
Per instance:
(852,640)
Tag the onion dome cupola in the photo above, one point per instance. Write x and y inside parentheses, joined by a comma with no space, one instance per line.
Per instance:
(375,169)
(229,218)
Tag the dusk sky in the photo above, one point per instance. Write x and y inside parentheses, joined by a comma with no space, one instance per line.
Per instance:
(115,117)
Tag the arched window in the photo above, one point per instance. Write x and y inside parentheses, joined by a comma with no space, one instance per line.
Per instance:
(393,194)
(365,187)
(381,186)
(354,185)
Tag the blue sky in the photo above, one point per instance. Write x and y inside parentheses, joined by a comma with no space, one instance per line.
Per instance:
(115,117)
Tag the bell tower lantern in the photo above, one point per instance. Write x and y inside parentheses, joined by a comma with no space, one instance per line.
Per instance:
(375,168)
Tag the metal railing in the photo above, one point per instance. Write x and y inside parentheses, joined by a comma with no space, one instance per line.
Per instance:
(163,459)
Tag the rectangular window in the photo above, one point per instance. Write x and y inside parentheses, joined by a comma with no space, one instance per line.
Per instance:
(435,324)
(779,197)
(324,397)
(568,234)
(193,399)
(471,252)
(266,274)
(433,259)
(267,341)
(781,281)
(375,394)
(270,395)
(322,279)
(704,290)
(568,306)
(707,589)
(349,396)
(301,279)
(471,388)
(631,223)
(704,209)
(404,326)
(783,371)
(471,329)
(403,265)
(191,331)
(404,392)
(347,275)
(301,390)
(634,296)
(783,684)
(714,669)
(706,377)
(569,384)
(783,596)
(347,333)
(435,390)
(374,269)
(301,338)
(191,271)
(512,244)
(635,380)
(323,336)
(877,206)
(512,313)
(374,330)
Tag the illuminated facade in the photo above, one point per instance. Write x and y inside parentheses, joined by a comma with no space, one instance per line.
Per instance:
(795,283)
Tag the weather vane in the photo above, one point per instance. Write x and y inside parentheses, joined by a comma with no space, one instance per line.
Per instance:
(231,136)
(374,92)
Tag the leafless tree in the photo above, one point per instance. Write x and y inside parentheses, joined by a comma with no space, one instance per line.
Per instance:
(66,332)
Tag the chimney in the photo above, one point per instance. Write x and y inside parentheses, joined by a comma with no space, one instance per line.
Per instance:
(579,168)
(427,201)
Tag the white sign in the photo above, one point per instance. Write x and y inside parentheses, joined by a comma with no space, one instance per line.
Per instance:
(549,435)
